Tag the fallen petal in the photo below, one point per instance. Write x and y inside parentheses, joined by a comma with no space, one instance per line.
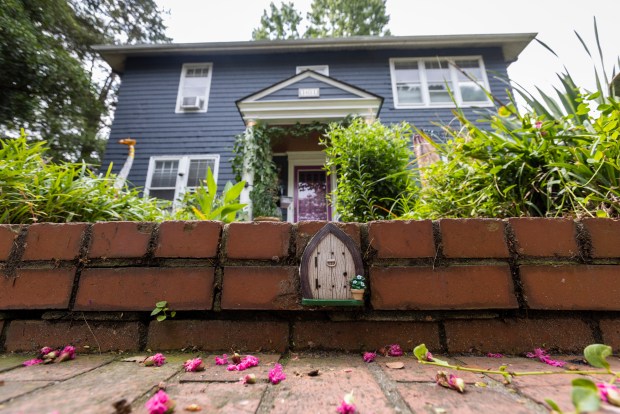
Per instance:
(395,365)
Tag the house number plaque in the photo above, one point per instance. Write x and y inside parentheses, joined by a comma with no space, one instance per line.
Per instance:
(328,264)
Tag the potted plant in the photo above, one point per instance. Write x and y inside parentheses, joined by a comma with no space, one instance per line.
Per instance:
(358,286)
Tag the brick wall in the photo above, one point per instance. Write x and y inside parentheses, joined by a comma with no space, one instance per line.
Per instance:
(475,285)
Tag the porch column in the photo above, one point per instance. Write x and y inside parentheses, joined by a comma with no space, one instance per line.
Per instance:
(248,173)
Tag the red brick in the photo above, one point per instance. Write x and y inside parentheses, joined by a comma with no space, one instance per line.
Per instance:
(402,239)
(611,333)
(8,234)
(545,237)
(191,239)
(473,238)
(261,288)
(363,335)
(133,288)
(114,240)
(605,236)
(219,335)
(516,336)
(258,240)
(50,241)
(307,229)
(458,287)
(110,336)
(578,287)
(37,289)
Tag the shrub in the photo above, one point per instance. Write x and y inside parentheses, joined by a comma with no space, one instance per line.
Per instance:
(33,189)
(371,161)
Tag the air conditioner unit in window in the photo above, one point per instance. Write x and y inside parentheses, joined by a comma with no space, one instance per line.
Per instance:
(191,102)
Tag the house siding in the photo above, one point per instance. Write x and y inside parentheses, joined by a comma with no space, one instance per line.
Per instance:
(148,95)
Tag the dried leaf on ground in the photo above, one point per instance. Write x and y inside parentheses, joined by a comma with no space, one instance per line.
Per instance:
(395,365)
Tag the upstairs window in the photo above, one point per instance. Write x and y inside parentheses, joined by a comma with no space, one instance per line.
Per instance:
(322,69)
(169,177)
(428,82)
(194,87)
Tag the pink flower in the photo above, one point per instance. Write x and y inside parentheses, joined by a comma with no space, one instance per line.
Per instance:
(249,379)
(246,362)
(276,375)
(369,356)
(450,381)
(429,356)
(221,361)
(45,350)
(542,355)
(538,124)
(160,403)
(345,408)
(491,355)
(67,353)
(194,365)
(395,350)
(609,393)
(158,360)
(31,362)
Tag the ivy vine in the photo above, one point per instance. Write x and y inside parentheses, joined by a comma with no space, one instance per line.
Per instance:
(253,148)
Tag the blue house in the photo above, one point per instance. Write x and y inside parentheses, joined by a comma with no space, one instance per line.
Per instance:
(185,103)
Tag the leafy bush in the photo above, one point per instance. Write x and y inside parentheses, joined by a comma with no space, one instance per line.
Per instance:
(550,161)
(372,162)
(205,204)
(32,189)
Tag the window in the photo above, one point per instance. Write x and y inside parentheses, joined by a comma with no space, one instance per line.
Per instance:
(322,69)
(169,177)
(428,82)
(194,87)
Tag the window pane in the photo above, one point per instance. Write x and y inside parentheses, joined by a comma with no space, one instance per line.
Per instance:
(471,92)
(165,174)
(198,171)
(437,71)
(409,93)
(163,194)
(406,72)
(195,85)
(438,92)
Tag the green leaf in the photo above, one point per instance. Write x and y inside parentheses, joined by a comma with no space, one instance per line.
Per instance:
(585,395)
(161,318)
(162,304)
(596,355)
(155,311)
(554,406)
(601,214)
(420,352)
(173,314)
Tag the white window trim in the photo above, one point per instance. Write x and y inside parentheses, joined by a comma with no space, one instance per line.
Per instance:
(453,78)
(184,69)
(182,172)
(322,69)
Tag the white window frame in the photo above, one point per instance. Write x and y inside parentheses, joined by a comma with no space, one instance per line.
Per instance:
(322,69)
(456,91)
(182,171)
(184,69)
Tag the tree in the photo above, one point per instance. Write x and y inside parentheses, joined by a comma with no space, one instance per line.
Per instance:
(54,85)
(280,23)
(327,18)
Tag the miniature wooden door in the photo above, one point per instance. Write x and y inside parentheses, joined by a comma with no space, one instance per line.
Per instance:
(329,262)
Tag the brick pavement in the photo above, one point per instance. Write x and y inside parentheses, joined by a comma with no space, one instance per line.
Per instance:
(93,383)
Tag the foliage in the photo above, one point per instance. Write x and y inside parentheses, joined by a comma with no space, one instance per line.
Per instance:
(161,310)
(33,189)
(372,162)
(280,23)
(205,204)
(358,282)
(253,152)
(54,84)
(327,18)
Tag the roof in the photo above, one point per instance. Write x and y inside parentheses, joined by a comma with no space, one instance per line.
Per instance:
(512,44)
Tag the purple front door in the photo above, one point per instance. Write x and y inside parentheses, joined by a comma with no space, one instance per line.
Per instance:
(311,189)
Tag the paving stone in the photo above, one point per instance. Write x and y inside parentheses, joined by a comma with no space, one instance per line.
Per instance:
(561,394)
(213,397)
(431,398)
(10,361)
(98,389)
(56,372)
(416,372)
(323,393)
(218,373)
(12,389)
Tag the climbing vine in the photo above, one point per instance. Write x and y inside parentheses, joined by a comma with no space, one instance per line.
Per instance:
(253,149)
